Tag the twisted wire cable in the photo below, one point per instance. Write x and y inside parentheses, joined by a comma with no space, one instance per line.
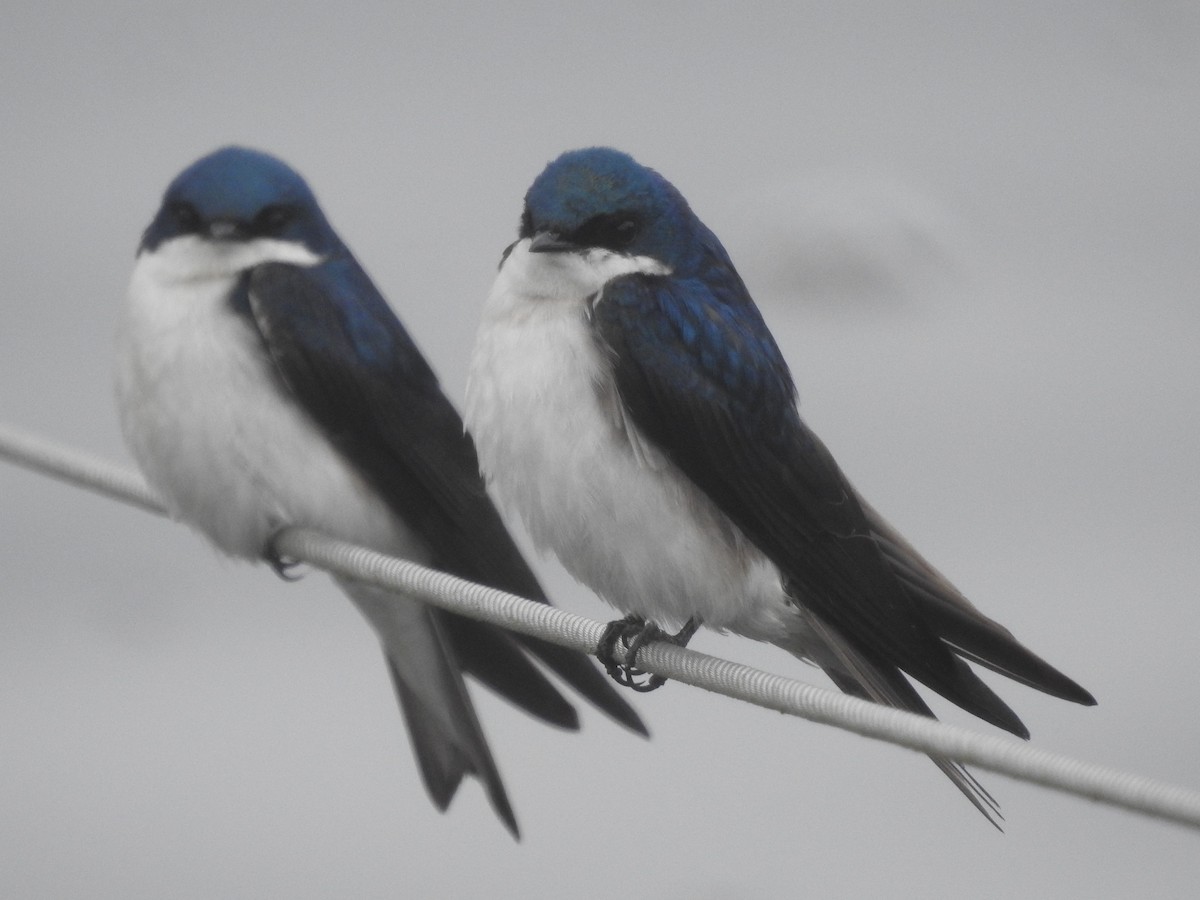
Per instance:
(1001,754)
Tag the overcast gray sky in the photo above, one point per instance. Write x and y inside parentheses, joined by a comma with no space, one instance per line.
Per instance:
(974,233)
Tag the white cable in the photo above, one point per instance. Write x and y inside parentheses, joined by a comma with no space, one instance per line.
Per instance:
(1003,755)
(77,468)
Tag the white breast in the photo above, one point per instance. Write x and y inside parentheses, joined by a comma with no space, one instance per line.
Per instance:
(208,422)
(542,409)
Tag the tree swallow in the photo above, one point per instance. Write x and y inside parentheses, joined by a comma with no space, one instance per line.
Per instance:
(263,382)
(629,402)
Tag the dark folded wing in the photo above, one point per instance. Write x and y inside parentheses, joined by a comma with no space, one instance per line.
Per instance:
(701,377)
(348,361)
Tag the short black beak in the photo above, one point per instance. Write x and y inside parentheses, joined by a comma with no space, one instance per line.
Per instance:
(549,242)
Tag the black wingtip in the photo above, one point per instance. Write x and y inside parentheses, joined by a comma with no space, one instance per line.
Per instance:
(492,656)
(1066,688)
(636,725)
(582,674)
(1001,652)
(1074,693)
(623,714)
(969,691)
(499,801)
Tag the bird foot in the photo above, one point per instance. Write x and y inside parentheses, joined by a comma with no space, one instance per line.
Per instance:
(635,632)
(283,567)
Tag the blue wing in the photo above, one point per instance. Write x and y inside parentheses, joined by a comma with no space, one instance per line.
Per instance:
(344,356)
(702,379)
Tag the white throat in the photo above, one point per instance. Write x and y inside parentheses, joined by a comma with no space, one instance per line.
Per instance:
(567,275)
(195,258)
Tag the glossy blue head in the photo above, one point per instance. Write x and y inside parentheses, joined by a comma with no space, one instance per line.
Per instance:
(602,198)
(237,194)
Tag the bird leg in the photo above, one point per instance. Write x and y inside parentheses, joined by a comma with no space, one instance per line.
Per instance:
(283,567)
(634,631)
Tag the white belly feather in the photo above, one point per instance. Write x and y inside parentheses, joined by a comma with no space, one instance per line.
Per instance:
(542,409)
(208,422)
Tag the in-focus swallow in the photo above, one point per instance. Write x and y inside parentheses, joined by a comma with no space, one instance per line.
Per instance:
(629,402)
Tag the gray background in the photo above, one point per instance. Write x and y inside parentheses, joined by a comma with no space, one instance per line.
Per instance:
(974,233)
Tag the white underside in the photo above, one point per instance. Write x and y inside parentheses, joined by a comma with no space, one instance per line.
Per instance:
(552,440)
(208,422)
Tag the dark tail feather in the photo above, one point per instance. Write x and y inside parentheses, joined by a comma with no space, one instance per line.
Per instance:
(990,644)
(441,760)
(956,620)
(493,656)
(967,690)
(445,733)
(581,673)
(854,674)
(571,666)
(497,659)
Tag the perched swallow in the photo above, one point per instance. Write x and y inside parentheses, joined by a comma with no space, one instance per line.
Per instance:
(629,402)
(263,382)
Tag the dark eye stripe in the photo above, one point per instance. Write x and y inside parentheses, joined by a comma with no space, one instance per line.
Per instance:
(185,215)
(273,219)
(613,231)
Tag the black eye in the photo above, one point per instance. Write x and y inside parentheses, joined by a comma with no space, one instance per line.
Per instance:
(625,231)
(273,219)
(614,231)
(526,229)
(185,216)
